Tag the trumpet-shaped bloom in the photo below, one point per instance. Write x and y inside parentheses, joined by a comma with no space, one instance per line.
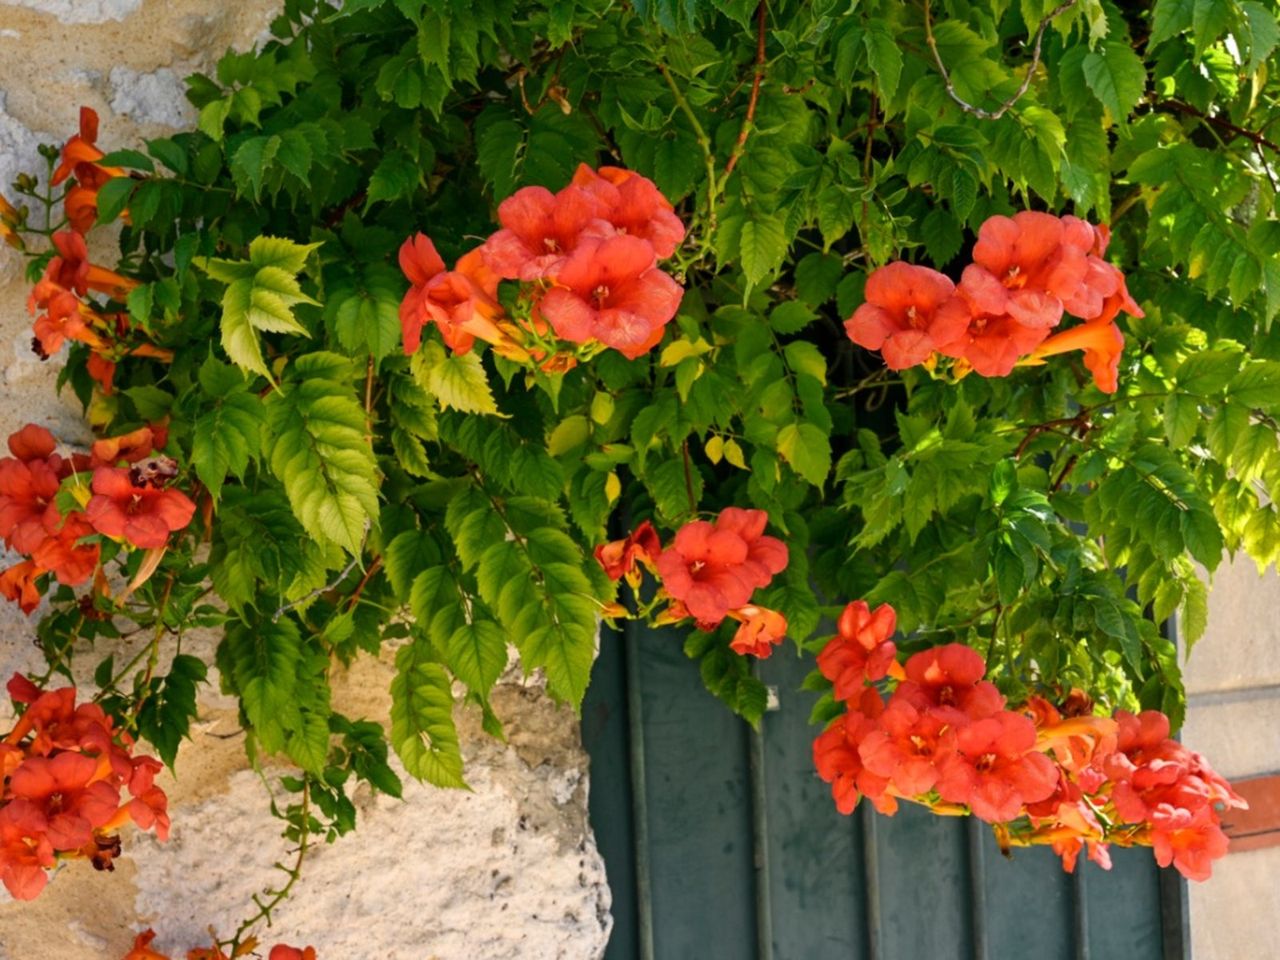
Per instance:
(71,269)
(634,205)
(618,558)
(540,229)
(18,585)
(908,747)
(760,631)
(996,768)
(282,952)
(64,787)
(1028,265)
(837,757)
(462,303)
(62,554)
(910,312)
(949,678)
(713,568)
(143,515)
(861,650)
(82,149)
(609,291)
(27,490)
(131,447)
(1102,343)
(992,341)
(25,850)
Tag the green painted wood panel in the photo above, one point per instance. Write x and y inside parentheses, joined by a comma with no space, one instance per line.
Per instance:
(698,809)
(818,891)
(731,849)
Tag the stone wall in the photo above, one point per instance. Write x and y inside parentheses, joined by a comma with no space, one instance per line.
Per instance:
(507,870)
(1233,718)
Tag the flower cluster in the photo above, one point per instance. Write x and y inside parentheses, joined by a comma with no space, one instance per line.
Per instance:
(63,773)
(709,572)
(60,299)
(142,950)
(946,738)
(585,260)
(1028,270)
(121,485)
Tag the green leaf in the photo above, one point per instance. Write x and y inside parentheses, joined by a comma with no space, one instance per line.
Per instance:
(1181,419)
(250,162)
(1209,21)
(804,357)
(1195,612)
(280,252)
(260,296)
(422,729)
(264,658)
(1203,536)
(1116,76)
(808,450)
(170,706)
(113,197)
(321,455)
(1263,33)
(397,175)
(409,554)
(1170,18)
(763,244)
(225,439)
(1257,385)
(885,60)
(458,381)
(477,654)
(942,235)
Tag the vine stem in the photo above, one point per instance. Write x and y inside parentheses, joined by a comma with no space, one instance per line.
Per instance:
(153,650)
(294,872)
(740,145)
(1026,80)
(325,588)
(704,142)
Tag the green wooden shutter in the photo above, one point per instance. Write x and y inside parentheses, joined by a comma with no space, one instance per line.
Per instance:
(723,843)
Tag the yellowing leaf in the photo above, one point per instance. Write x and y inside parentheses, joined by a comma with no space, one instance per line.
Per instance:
(457,381)
(714,449)
(733,453)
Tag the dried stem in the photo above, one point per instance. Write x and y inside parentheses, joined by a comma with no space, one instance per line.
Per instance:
(1179,106)
(1026,80)
(740,145)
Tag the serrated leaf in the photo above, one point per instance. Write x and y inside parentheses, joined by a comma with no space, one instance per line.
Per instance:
(457,381)
(250,162)
(1263,33)
(477,654)
(408,554)
(396,175)
(422,729)
(226,438)
(1169,18)
(885,60)
(1116,76)
(763,244)
(806,448)
(321,455)
(264,659)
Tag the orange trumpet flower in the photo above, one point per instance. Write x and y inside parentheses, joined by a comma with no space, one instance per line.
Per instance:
(1102,343)
(81,148)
